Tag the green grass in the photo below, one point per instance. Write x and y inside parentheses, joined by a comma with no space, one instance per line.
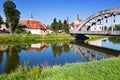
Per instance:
(96,70)
(94,37)
(31,37)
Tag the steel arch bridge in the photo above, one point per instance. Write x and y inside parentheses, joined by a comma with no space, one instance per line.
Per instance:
(98,20)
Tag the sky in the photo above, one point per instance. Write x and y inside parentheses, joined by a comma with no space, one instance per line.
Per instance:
(46,10)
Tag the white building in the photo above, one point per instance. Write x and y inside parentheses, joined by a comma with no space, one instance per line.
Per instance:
(35,27)
(76,23)
(4,28)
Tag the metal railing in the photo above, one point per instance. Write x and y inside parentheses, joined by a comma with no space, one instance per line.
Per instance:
(98,32)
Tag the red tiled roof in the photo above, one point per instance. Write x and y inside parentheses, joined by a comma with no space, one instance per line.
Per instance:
(76,25)
(79,20)
(72,24)
(33,24)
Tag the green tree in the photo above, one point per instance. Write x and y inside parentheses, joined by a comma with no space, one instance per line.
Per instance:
(117,27)
(60,25)
(1,20)
(66,26)
(54,25)
(114,39)
(12,14)
(57,49)
(18,29)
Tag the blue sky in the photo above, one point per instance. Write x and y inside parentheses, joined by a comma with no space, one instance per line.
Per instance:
(46,10)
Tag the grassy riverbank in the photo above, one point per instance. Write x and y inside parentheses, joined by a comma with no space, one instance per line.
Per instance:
(95,37)
(31,37)
(96,70)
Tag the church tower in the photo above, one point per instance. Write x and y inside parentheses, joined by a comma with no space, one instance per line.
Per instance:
(78,16)
(31,18)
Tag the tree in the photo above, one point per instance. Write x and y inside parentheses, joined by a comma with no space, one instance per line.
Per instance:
(66,26)
(1,20)
(54,25)
(117,27)
(60,25)
(12,14)
(18,29)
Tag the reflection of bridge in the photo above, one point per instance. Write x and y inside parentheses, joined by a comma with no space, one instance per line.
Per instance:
(89,52)
(98,24)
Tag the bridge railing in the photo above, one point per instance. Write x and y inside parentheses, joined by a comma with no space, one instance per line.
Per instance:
(98,32)
(115,32)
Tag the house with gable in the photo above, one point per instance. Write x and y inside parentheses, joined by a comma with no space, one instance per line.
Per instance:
(35,26)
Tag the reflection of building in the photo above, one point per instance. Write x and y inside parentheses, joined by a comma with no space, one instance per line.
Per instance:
(3,48)
(88,52)
(76,23)
(35,27)
(38,47)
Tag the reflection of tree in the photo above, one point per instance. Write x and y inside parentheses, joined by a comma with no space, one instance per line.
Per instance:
(1,56)
(12,60)
(114,39)
(57,49)
(66,47)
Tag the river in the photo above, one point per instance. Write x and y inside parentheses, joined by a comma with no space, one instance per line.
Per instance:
(49,53)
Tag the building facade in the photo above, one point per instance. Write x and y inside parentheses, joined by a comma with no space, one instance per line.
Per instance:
(35,27)
(76,23)
(4,28)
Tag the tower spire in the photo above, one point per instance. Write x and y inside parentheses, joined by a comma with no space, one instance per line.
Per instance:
(68,20)
(77,16)
(31,16)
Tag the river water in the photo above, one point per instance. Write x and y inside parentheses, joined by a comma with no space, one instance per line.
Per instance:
(49,53)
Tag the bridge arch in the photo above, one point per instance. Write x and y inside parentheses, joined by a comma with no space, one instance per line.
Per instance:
(98,17)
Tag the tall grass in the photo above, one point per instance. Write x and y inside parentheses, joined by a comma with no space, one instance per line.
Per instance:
(96,70)
(31,37)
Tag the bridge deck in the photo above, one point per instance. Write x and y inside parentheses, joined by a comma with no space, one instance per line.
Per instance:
(109,33)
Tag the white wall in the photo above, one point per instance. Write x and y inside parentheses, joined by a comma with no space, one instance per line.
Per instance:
(35,31)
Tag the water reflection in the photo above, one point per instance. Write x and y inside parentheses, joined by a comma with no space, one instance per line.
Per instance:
(11,56)
(96,42)
(58,49)
(12,60)
(1,55)
(89,52)
(110,43)
(114,39)
(37,47)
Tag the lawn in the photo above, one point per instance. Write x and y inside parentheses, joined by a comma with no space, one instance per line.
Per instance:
(97,70)
(31,37)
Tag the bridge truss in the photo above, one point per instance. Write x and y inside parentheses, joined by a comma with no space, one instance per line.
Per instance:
(98,24)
